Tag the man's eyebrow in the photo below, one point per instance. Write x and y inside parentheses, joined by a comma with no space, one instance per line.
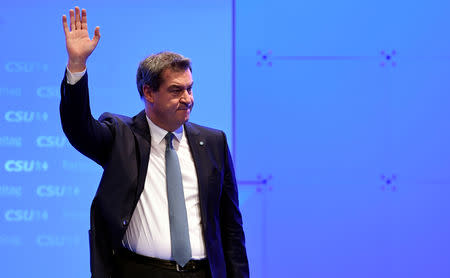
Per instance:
(180,86)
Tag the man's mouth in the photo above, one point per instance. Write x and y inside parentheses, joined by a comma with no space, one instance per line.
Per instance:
(185,108)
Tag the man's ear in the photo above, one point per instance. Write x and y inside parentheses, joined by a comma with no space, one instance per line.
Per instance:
(148,93)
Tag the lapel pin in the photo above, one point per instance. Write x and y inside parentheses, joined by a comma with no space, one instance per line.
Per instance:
(201,143)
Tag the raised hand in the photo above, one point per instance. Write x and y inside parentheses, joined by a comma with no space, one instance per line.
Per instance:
(79,45)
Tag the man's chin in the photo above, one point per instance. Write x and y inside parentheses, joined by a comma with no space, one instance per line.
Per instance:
(186,120)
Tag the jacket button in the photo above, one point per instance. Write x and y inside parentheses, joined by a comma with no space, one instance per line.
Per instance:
(125,222)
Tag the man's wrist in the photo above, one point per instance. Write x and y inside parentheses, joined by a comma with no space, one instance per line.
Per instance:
(76,65)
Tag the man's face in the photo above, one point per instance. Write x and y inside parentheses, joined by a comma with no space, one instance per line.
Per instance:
(171,105)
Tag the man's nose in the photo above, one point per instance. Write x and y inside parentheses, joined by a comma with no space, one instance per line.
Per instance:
(186,98)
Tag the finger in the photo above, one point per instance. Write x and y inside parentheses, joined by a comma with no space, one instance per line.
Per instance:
(72,20)
(77,18)
(83,19)
(65,26)
(96,37)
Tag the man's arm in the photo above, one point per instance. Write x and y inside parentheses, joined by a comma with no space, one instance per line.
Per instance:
(233,239)
(89,136)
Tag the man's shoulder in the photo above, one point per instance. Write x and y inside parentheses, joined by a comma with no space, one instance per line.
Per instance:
(136,124)
(113,117)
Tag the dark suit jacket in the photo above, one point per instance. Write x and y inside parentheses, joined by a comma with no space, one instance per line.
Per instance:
(121,145)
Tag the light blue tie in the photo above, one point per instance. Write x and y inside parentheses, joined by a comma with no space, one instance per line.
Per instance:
(179,231)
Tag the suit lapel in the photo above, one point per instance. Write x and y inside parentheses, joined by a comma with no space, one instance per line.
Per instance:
(140,126)
(198,146)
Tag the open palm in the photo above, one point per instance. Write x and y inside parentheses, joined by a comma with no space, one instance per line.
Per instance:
(79,45)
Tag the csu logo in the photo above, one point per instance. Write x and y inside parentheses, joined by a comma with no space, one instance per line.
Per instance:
(48,92)
(57,191)
(57,240)
(25,215)
(25,67)
(51,141)
(25,166)
(25,116)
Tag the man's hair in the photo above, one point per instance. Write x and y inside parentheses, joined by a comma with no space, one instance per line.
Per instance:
(150,69)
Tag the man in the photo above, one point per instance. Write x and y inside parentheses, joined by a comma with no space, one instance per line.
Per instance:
(167,203)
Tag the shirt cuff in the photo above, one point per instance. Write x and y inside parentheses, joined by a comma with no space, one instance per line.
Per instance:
(74,77)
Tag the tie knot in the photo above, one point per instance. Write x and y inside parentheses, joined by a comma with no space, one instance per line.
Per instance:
(169,136)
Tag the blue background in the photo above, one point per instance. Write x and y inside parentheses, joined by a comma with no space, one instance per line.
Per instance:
(336,113)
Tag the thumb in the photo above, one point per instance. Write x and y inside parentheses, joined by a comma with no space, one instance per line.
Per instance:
(96,37)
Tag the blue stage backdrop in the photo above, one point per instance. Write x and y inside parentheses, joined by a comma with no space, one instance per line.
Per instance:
(336,112)
(345,104)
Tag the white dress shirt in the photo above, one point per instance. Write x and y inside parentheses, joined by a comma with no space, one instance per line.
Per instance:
(148,232)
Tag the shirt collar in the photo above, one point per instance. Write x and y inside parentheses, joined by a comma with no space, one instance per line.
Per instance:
(158,133)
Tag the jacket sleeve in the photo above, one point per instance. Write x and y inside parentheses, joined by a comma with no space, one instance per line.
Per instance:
(88,135)
(232,233)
